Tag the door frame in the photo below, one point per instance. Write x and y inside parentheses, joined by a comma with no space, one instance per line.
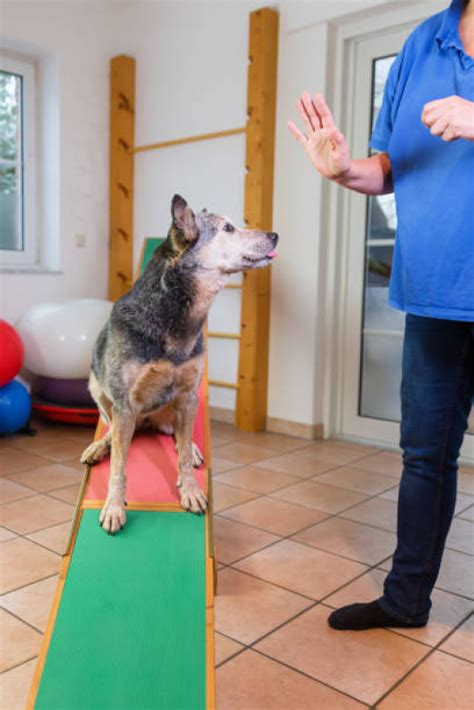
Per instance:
(343,36)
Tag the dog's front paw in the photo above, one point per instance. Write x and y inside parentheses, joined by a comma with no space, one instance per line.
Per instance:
(112,517)
(191,496)
(95,452)
(196,455)
(198,458)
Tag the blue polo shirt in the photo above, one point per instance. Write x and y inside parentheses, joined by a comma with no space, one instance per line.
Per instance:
(433,260)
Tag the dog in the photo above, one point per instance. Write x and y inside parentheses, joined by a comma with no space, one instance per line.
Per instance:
(148,360)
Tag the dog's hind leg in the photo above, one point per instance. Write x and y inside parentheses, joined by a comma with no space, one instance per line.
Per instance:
(164,421)
(191,496)
(96,451)
(197,456)
(112,516)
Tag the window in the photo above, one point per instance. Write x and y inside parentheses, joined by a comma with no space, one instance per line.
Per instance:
(18,242)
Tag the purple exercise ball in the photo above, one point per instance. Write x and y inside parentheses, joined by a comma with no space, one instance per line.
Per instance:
(62,391)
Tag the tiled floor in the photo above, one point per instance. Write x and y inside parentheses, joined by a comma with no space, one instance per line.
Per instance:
(300,528)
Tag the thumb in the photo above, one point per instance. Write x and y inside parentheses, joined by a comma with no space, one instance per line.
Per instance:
(337,137)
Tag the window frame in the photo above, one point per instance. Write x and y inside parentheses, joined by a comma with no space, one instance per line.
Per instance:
(29,255)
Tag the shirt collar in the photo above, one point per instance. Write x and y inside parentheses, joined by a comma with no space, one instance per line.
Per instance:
(448,35)
(448,32)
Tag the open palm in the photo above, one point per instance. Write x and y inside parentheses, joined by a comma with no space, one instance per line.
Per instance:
(324,144)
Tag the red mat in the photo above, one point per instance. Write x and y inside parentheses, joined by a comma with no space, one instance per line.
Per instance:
(152,466)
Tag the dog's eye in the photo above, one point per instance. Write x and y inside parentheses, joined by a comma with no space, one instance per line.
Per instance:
(229,227)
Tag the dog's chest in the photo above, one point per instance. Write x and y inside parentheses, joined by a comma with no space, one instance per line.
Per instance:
(155,384)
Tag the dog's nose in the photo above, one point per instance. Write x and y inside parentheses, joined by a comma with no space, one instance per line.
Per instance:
(273,236)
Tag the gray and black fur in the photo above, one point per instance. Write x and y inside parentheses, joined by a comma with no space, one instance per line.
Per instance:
(147,361)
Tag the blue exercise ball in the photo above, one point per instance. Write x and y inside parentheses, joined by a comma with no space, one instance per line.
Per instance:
(15,407)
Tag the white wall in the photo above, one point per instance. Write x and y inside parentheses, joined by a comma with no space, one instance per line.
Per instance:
(72,43)
(191,78)
(297,343)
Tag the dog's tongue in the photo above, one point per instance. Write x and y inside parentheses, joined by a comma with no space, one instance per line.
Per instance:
(272,254)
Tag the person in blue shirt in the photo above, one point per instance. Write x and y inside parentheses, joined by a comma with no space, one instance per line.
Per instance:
(425,135)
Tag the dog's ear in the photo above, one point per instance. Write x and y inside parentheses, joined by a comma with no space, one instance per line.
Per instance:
(183,218)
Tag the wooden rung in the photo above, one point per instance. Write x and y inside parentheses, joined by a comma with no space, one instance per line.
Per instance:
(221,383)
(233,286)
(122,101)
(189,139)
(230,336)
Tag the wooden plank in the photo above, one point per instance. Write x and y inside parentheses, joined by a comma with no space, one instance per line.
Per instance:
(189,139)
(122,118)
(255,311)
(220,334)
(222,383)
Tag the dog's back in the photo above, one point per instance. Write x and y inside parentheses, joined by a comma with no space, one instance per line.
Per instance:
(152,322)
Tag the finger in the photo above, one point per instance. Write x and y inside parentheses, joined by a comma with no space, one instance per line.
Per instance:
(312,110)
(297,133)
(435,109)
(431,105)
(449,134)
(430,118)
(304,116)
(324,111)
(439,126)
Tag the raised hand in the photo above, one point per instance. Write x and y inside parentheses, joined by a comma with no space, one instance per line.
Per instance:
(324,144)
(451,118)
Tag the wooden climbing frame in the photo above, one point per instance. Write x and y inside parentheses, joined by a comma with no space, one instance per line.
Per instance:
(252,384)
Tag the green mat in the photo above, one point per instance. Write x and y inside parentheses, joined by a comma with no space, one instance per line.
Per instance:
(151,243)
(131,628)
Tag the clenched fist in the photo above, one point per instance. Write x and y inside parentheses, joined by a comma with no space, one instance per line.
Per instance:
(451,118)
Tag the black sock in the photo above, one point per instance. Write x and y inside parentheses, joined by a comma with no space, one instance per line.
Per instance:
(357,617)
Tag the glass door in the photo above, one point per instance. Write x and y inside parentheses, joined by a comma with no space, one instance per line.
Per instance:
(372,333)
(382,326)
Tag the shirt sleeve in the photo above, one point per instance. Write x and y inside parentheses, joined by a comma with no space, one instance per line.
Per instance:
(383,128)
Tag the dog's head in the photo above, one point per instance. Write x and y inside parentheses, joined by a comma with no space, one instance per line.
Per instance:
(214,243)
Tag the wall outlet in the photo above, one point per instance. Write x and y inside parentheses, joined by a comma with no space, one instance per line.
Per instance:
(80,240)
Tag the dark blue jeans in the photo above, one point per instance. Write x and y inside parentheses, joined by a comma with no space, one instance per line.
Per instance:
(437,392)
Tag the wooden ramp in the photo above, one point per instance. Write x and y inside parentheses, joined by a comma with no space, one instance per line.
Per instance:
(132,622)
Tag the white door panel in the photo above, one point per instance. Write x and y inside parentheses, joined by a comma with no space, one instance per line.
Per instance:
(372,332)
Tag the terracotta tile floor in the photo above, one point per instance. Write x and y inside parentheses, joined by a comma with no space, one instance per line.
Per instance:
(301,528)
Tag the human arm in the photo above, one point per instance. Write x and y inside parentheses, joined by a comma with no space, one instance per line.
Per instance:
(451,118)
(328,151)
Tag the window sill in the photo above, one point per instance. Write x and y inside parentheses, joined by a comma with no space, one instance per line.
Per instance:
(18,269)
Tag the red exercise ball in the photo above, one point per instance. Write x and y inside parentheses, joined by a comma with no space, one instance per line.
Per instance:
(11,353)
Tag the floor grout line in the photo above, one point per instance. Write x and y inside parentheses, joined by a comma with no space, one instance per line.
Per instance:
(431,650)
(270,494)
(417,665)
(455,655)
(328,516)
(33,532)
(35,493)
(34,581)
(19,618)
(307,675)
(323,600)
(17,665)
(287,537)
